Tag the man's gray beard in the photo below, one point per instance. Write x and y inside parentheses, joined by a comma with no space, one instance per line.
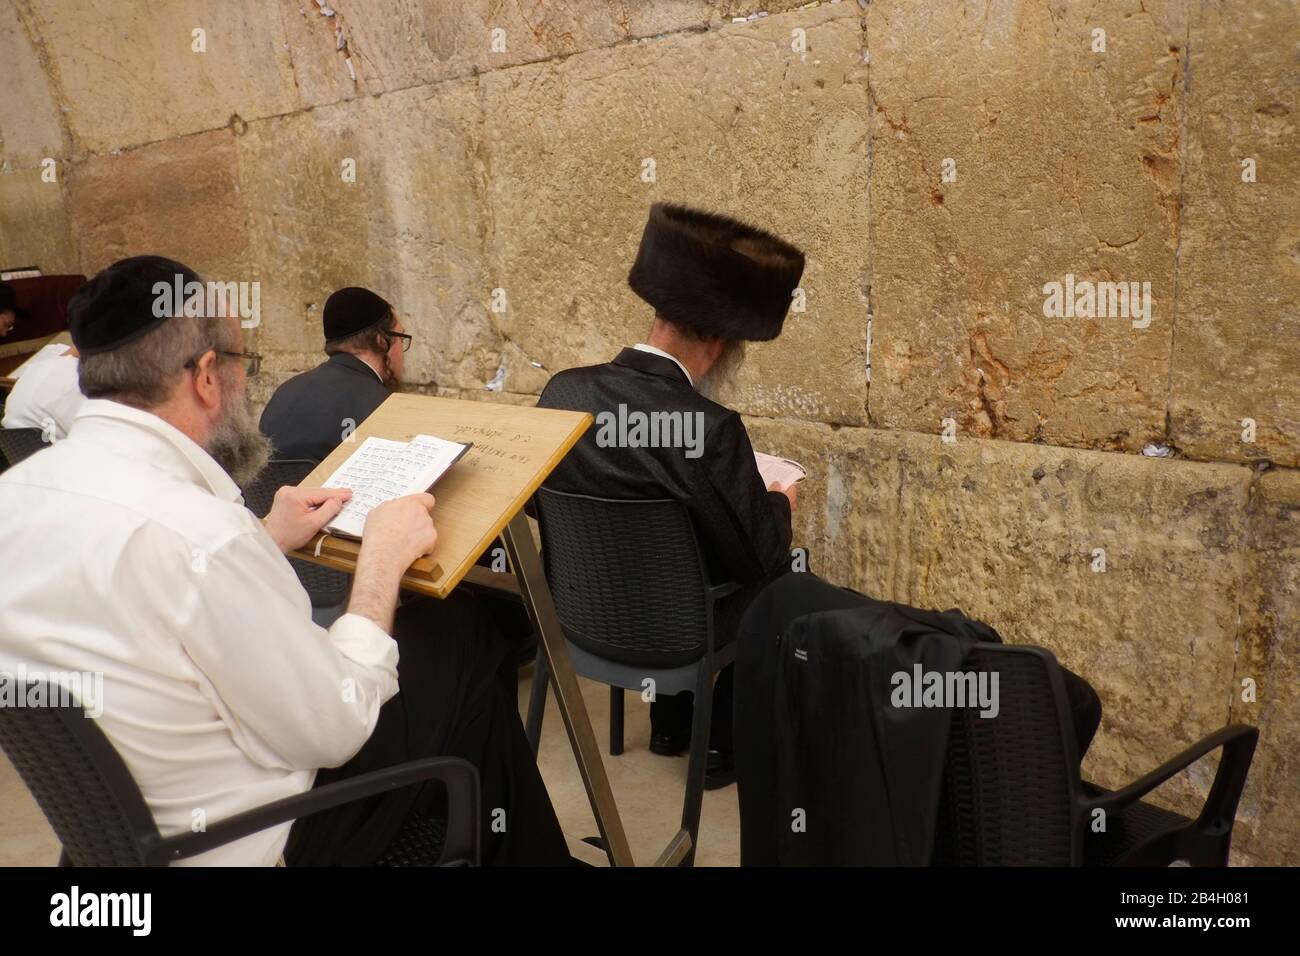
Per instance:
(723,371)
(237,445)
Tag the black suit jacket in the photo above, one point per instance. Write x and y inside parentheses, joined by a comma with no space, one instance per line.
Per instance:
(816,728)
(307,415)
(743,528)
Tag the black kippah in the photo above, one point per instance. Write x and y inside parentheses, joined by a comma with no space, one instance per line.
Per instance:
(122,302)
(352,310)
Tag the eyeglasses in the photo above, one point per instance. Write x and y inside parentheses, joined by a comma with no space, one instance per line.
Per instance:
(406,340)
(252,360)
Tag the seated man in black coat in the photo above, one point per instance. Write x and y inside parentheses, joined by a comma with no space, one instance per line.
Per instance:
(309,415)
(713,283)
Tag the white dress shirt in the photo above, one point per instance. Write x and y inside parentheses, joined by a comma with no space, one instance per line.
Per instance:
(46,396)
(127,551)
(642,347)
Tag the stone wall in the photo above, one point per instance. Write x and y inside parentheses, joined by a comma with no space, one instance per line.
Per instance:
(940,161)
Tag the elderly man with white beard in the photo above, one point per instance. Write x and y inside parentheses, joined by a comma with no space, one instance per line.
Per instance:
(714,283)
(128,552)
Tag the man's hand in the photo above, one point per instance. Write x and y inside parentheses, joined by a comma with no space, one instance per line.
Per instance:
(397,532)
(791,491)
(298,513)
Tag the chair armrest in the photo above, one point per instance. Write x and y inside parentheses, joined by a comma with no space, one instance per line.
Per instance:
(1238,743)
(460,777)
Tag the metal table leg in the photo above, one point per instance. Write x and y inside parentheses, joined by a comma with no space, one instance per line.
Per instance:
(527,565)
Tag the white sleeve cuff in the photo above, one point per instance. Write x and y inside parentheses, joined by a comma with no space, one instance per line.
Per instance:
(365,643)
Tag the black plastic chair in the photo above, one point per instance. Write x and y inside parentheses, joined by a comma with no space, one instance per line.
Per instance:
(633,596)
(101,819)
(17,443)
(1012,794)
(326,587)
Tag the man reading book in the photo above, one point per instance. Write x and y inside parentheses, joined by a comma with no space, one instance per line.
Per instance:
(128,552)
(714,283)
(312,413)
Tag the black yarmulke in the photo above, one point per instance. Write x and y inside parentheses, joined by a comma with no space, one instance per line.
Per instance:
(352,310)
(122,302)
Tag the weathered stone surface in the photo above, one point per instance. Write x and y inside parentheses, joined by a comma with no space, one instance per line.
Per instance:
(320,54)
(734,121)
(34,227)
(128,74)
(1237,341)
(1007,533)
(409,227)
(1268,822)
(179,199)
(29,116)
(1066,163)
(400,43)
(522,170)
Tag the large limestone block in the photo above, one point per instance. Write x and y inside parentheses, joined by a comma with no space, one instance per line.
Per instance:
(128,73)
(395,44)
(1269,818)
(179,198)
(34,229)
(735,121)
(29,112)
(409,227)
(1237,342)
(1009,534)
(1066,163)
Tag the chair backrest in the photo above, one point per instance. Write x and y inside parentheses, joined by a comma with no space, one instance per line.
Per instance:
(627,577)
(324,586)
(1011,781)
(260,493)
(78,779)
(17,443)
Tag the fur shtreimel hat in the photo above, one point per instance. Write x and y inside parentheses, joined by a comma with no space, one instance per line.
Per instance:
(713,275)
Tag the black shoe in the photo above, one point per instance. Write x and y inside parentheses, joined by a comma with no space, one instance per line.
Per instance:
(666,745)
(719,769)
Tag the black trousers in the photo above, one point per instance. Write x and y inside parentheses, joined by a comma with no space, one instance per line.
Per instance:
(672,714)
(800,594)
(456,700)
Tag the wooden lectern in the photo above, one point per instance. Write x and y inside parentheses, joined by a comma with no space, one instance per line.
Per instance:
(480,498)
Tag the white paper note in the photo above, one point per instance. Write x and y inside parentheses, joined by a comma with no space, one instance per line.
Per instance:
(781,470)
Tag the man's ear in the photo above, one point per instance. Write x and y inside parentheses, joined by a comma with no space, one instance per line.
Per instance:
(207,386)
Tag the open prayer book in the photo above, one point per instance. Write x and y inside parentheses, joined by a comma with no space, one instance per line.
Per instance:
(381,470)
(782,470)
